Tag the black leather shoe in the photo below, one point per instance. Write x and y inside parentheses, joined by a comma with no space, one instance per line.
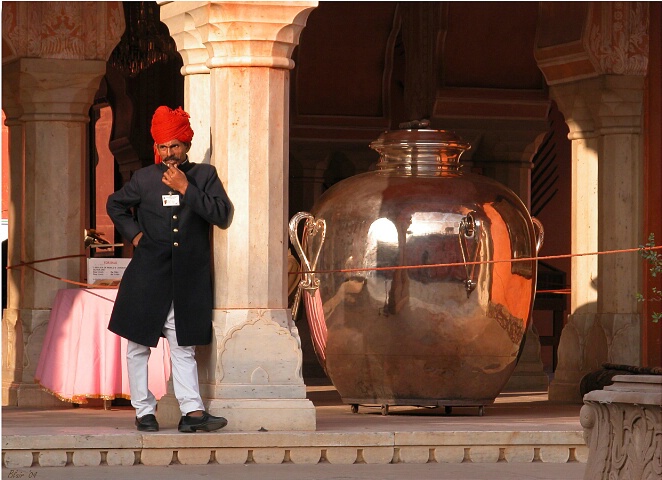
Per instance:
(206,423)
(147,423)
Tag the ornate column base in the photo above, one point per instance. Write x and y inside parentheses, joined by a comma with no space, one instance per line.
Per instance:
(248,414)
(22,340)
(623,429)
(33,396)
(250,374)
(588,340)
(12,355)
(9,393)
(529,374)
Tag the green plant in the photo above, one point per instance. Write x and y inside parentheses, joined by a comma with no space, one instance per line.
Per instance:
(654,259)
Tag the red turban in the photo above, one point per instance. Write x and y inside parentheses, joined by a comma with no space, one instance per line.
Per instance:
(169,124)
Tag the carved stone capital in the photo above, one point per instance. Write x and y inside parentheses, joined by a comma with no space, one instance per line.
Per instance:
(49,89)
(608,104)
(187,38)
(236,34)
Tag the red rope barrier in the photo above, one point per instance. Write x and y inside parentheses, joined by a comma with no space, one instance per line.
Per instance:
(72,282)
(29,265)
(367,269)
(484,262)
(24,264)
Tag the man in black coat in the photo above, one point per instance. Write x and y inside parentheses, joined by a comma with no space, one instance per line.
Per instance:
(167,211)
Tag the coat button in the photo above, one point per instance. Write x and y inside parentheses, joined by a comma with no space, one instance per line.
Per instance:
(174,217)
(176,244)
(175,230)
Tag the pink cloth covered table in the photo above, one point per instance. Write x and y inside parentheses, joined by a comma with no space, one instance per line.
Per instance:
(82,359)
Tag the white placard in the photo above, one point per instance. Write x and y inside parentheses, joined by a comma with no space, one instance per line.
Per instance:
(105,270)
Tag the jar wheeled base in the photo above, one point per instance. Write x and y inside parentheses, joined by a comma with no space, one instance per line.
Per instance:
(447,404)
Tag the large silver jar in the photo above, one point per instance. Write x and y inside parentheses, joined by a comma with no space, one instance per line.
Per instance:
(391,328)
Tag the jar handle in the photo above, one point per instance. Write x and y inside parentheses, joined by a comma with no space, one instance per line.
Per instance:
(312,227)
(469,228)
(540,233)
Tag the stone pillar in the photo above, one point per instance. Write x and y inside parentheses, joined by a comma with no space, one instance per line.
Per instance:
(584,238)
(605,117)
(55,96)
(251,373)
(49,83)
(596,75)
(12,328)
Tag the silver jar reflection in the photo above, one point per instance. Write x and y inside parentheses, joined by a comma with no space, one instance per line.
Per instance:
(391,330)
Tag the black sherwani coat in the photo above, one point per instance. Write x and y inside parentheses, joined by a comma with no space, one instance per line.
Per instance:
(172,262)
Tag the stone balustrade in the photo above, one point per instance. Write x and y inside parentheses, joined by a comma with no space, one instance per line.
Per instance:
(340,448)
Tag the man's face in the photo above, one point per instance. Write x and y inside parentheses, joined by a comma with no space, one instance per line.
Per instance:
(172,152)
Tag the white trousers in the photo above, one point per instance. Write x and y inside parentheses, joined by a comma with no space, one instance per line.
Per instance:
(184,373)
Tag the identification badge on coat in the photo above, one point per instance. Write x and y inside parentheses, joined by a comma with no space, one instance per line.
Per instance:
(170,200)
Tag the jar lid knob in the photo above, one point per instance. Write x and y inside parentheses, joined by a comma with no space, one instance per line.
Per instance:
(424,123)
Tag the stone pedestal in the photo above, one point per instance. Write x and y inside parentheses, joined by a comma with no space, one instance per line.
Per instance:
(623,429)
